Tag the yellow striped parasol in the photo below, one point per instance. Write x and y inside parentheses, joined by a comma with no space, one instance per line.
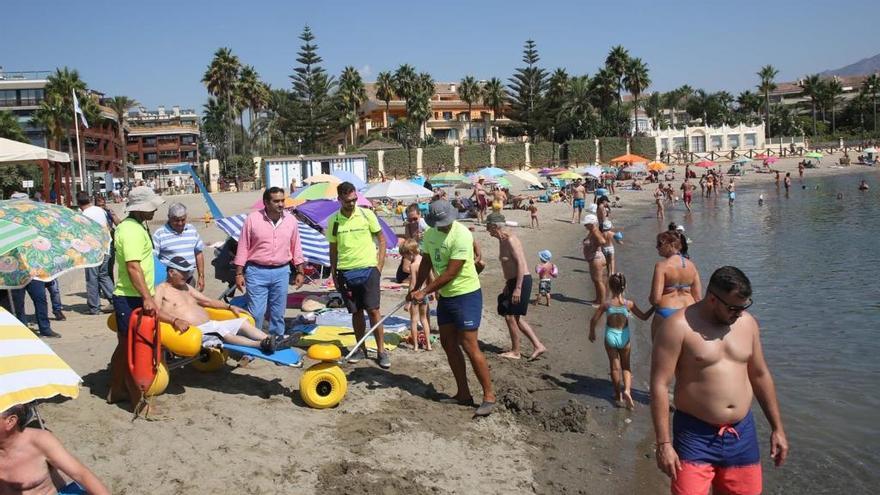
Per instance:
(30,369)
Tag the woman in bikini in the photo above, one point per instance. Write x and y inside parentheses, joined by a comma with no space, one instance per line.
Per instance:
(658,199)
(482,200)
(676,282)
(593,244)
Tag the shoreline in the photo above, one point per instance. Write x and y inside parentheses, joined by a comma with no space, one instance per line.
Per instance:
(554,432)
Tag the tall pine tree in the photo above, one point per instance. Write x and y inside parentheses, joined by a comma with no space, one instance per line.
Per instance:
(526,88)
(312,89)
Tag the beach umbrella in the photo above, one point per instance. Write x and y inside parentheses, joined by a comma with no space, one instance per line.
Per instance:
(814,154)
(448,177)
(770,160)
(13,235)
(396,189)
(657,166)
(319,212)
(528,178)
(742,160)
(638,168)
(502,182)
(760,156)
(321,190)
(705,164)
(346,176)
(569,175)
(545,171)
(66,240)
(629,158)
(594,171)
(29,369)
(608,169)
(491,172)
(417,180)
(320,178)
(870,150)
(315,247)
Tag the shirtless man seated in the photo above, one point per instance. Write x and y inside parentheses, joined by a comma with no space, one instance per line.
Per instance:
(713,351)
(185,306)
(30,459)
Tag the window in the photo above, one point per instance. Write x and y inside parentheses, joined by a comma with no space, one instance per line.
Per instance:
(717,142)
(150,141)
(447,115)
(664,144)
(8,98)
(477,134)
(31,96)
(733,141)
(188,140)
(698,144)
(150,157)
(678,144)
(751,142)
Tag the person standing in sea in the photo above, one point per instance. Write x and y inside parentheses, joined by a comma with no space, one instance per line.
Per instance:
(676,282)
(712,350)
(731,192)
(687,193)
(787,182)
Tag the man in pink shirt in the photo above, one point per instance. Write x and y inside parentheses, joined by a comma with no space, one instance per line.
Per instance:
(268,244)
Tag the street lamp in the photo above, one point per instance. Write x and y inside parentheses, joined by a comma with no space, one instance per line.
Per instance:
(299,142)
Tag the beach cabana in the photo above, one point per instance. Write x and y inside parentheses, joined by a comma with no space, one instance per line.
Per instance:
(629,158)
(14,152)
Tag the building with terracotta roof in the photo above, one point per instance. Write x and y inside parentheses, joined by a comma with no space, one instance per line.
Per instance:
(791,93)
(160,136)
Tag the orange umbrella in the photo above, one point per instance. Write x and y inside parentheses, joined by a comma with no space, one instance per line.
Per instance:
(657,166)
(629,158)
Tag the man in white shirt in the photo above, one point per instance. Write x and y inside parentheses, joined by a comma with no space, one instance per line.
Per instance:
(98,280)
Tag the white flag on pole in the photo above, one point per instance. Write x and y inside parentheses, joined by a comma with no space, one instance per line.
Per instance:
(79,111)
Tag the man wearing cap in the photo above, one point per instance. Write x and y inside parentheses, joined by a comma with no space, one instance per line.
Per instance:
(268,244)
(134,284)
(513,302)
(448,247)
(178,238)
(356,266)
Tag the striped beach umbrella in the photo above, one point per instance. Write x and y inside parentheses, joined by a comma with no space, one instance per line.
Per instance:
(814,154)
(13,235)
(315,247)
(29,369)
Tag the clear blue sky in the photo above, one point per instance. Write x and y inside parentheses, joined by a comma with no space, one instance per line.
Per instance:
(156,52)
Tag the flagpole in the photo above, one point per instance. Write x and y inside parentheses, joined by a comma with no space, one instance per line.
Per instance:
(82,176)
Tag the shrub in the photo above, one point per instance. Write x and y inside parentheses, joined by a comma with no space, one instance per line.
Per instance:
(581,152)
(644,146)
(397,163)
(436,159)
(541,154)
(611,147)
(372,164)
(510,155)
(473,157)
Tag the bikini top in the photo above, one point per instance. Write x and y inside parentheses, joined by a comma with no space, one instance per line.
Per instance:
(674,287)
(618,310)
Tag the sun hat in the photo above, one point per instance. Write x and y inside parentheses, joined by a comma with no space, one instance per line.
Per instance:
(680,228)
(143,198)
(545,255)
(495,219)
(590,219)
(441,213)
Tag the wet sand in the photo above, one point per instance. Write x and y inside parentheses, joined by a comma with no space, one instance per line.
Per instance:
(246,429)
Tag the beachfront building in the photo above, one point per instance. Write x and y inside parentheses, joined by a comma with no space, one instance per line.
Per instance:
(792,94)
(449,122)
(161,137)
(21,94)
(705,139)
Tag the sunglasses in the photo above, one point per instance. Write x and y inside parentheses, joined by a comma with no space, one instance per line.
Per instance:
(731,307)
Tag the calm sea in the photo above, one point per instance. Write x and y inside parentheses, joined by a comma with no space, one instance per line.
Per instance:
(813,262)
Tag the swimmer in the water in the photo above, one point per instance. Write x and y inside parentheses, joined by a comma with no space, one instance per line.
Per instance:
(760,199)
(863,185)
(840,195)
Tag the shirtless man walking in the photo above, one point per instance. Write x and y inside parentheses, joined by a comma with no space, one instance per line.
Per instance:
(713,351)
(513,302)
(578,194)
(687,193)
(731,192)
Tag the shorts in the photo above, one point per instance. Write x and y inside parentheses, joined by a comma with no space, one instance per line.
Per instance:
(688,197)
(579,203)
(608,251)
(505,299)
(213,331)
(362,297)
(545,285)
(463,311)
(731,196)
(123,306)
(482,202)
(725,457)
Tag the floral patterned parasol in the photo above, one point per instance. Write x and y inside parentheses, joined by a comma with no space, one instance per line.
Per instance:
(66,240)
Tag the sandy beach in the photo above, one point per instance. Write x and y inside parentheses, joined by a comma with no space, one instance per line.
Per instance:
(246,430)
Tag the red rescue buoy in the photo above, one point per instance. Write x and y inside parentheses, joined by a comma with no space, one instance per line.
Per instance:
(144,348)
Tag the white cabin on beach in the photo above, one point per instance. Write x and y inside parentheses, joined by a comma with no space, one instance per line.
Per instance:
(704,139)
(279,171)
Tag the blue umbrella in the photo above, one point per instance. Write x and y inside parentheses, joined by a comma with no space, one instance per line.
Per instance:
(347,176)
(491,172)
(418,180)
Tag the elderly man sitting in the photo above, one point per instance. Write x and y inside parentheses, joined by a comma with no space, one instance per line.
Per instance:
(178,238)
(185,306)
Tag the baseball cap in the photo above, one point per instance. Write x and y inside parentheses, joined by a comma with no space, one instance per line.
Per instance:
(441,213)
(143,198)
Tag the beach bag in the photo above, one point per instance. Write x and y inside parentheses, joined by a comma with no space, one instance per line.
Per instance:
(357,277)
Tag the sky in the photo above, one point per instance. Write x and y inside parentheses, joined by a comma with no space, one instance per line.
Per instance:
(156,52)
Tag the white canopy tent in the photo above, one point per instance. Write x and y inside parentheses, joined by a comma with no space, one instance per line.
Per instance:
(15,152)
(397,189)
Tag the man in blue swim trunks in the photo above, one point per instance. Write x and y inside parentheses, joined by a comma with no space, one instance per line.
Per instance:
(713,351)
(448,248)
(578,195)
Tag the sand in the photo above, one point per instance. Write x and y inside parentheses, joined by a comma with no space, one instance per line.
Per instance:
(246,430)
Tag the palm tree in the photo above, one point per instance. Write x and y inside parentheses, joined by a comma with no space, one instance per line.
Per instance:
(220,78)
(252,93)
(352,95)
(766,74)
(811,86)
(10,128)
(871,87)
(404,82)
(494,97)
(603,89)
(749,104)
(636,80)
(385,92)
(120,106)
(52,116)
(63,84)
(578,100)
(616,62)
(469,92)
(835,89)
(654,109)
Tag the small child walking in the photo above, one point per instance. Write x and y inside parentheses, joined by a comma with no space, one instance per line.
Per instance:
(617,341)
(418,310)
(546,271)
(533,213)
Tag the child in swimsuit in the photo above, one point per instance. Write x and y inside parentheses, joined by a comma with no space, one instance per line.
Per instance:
(419,311)
(546,271)
(533,213)
(617,341)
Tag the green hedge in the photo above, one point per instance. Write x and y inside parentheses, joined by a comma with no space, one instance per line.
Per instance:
(541,154)
(436,159)
(644,146)
(397,163)
(611,147)
(372,164)
(581,152)
(473,157)
(510,155)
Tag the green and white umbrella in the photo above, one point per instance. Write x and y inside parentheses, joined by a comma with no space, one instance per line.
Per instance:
(13,235)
